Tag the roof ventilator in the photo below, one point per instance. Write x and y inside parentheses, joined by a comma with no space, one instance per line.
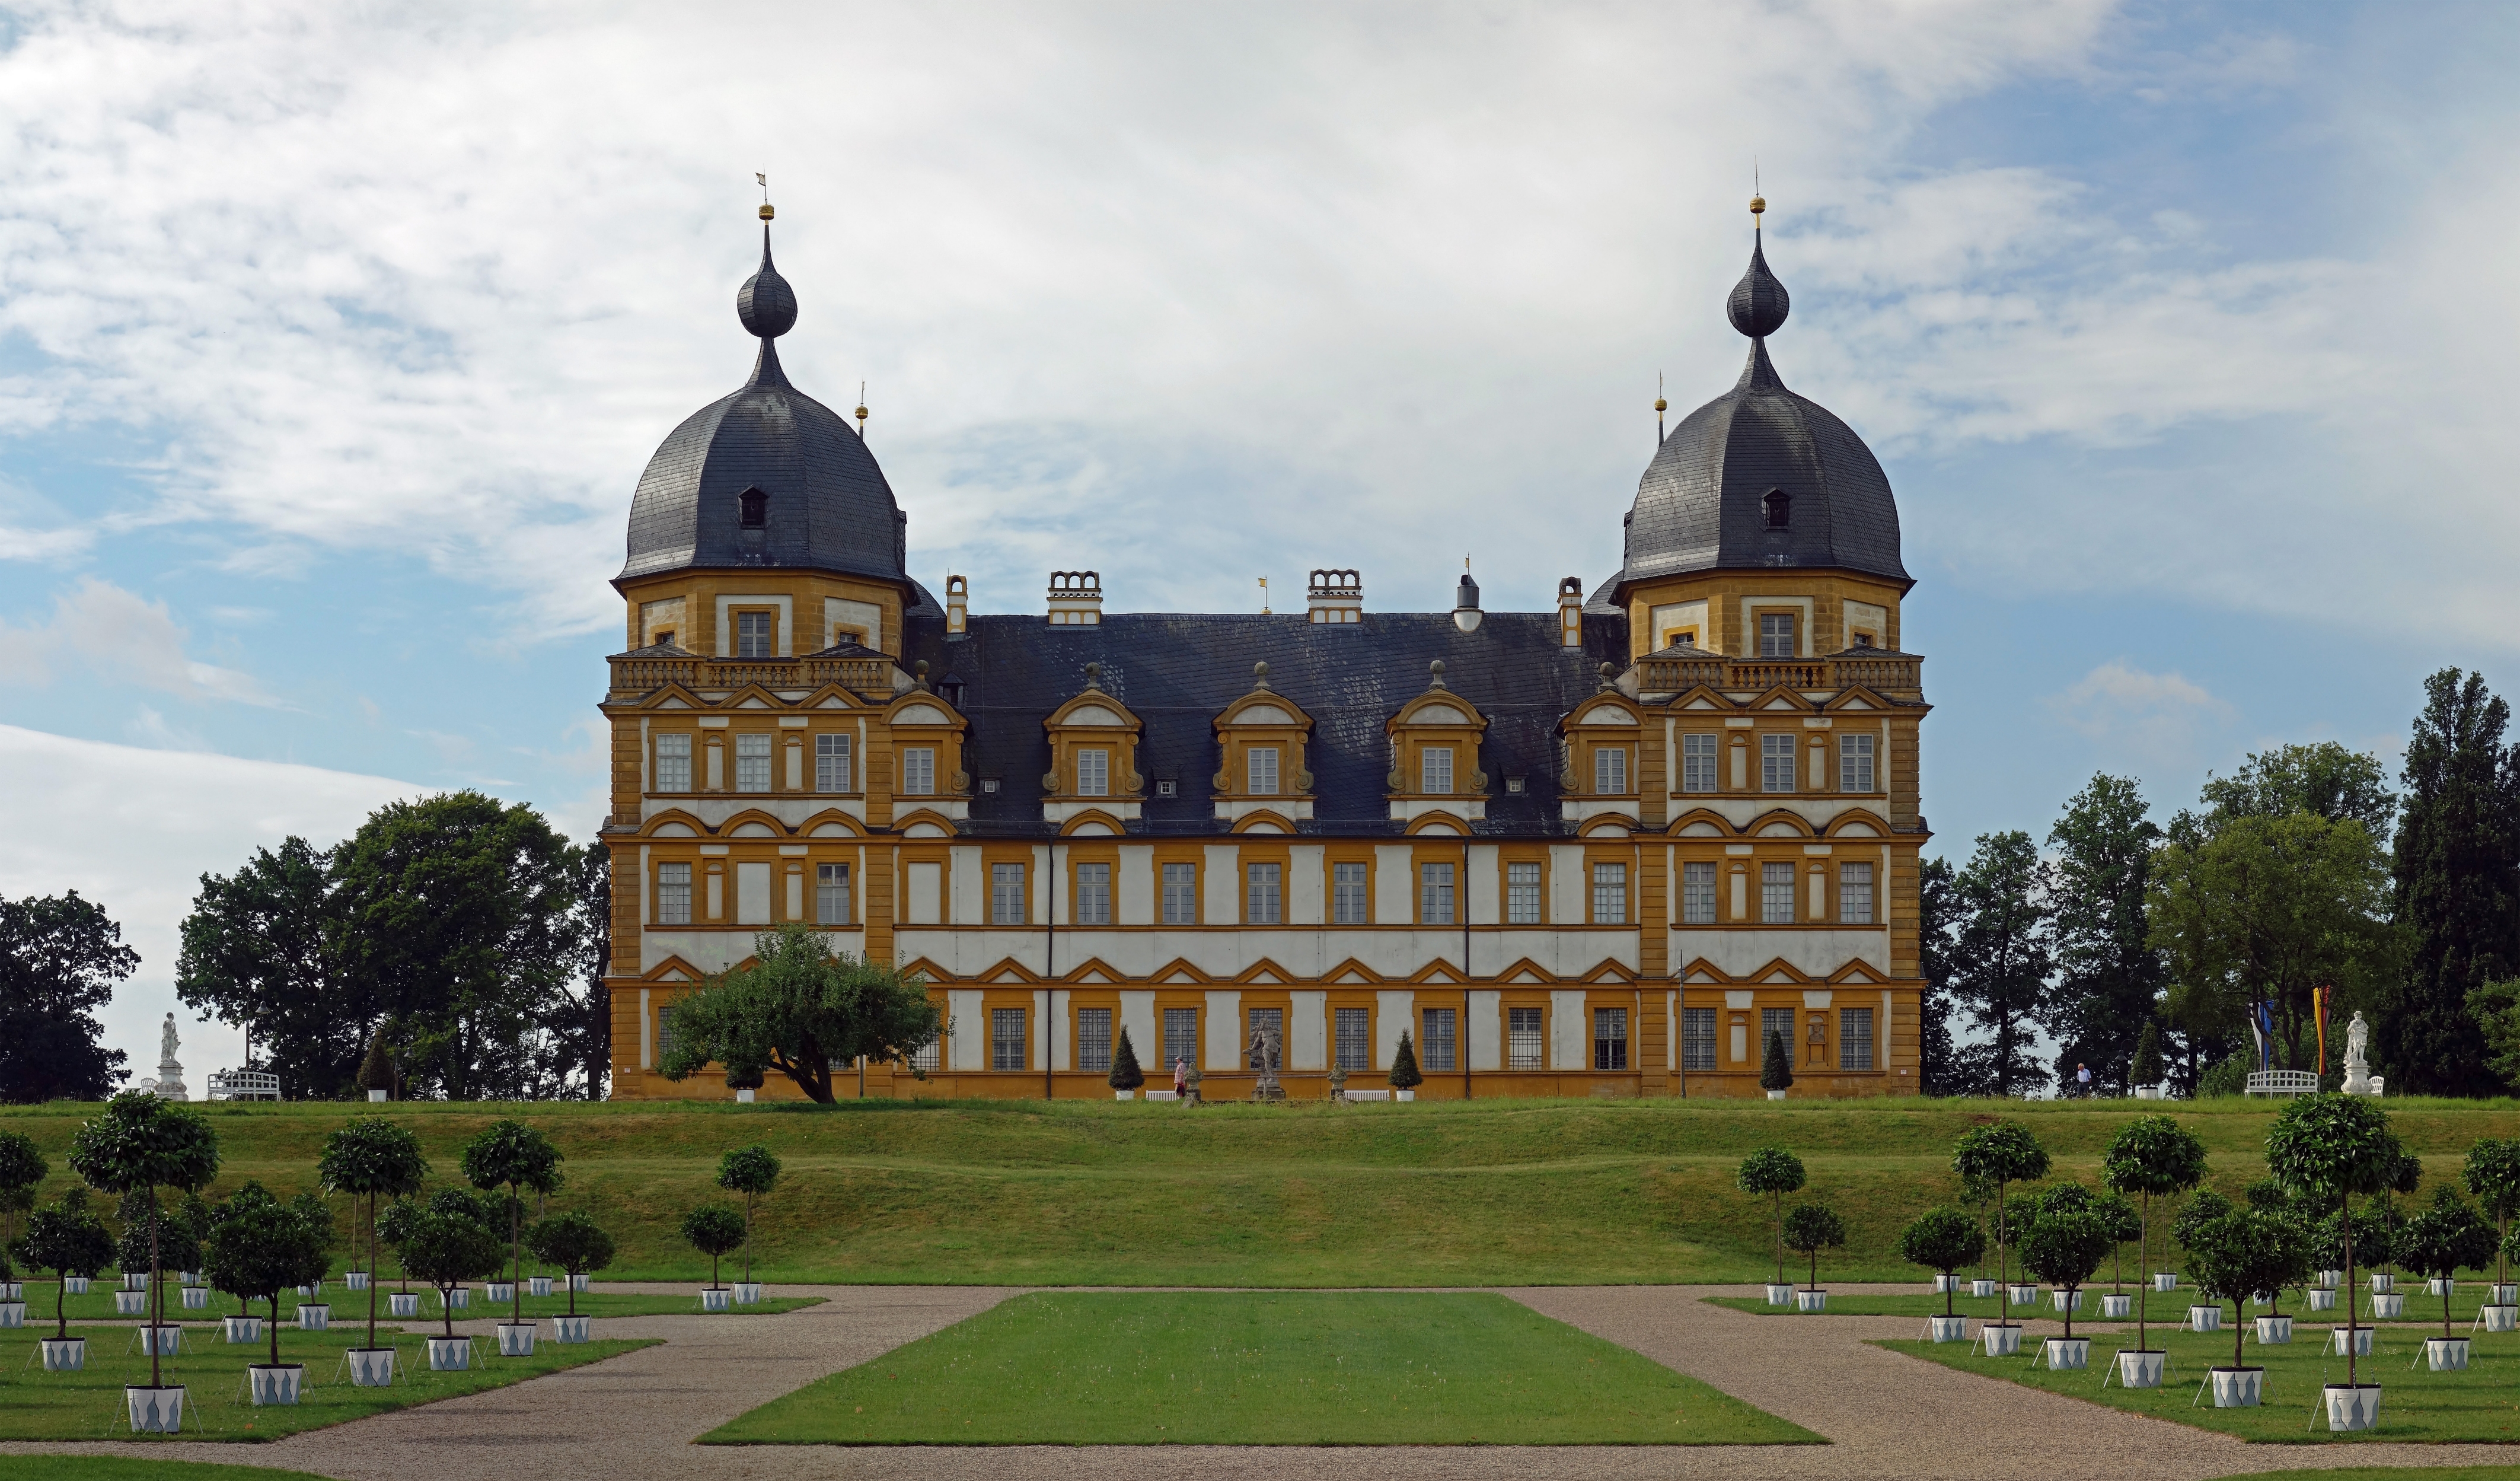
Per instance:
(1076,598)
(1336,597)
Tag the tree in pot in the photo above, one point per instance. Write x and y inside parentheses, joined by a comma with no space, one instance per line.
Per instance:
(1771,1173)
(445,1249)
(2445,1239)
(22,1168)
(1403,1065)
(2001,1155)
(2126,1225)
(2241,1253)
(2064,1246)
(177,1248)
(2331,1147)
(2147,1068)
(2151,1157)
(260,1247)
(377,1071)
(754,1172)
(715,1230)
(575,1243)
(1810,1228)
(2492,1175)
(68,1239)
(748,1066)
(141,1144)
(2405,1177)
(2362,1231)
(1775,1065)
(1943,1240)
(517,1157)
(374,1159)
(1125,1074)
(2188,1226)
(394,1225)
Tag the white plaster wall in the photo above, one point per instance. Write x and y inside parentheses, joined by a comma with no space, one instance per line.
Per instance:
(1136,885)
(1306,1031)
(792,809)
(1393,1012)
(1570,1031)
(1222,875)
(717,950)
(970,897)
(1137,1016)
(970,1046)
(1038,1056)
(1485,888)
(1306,876)
(927,889)
(1816,952)
(1567,886)
(752,894)
(1395,886)
(1486,1030)
(1225,1039)
(1062,1033)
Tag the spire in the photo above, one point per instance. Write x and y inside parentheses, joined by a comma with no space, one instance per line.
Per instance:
(1759,303)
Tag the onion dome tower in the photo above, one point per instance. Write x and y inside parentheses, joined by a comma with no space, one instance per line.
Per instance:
(1760,476)
(768,476)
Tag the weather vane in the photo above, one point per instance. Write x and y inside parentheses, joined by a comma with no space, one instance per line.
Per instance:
(1264,596)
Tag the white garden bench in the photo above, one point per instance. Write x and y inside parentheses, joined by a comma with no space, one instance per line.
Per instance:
(2282,1083)
(244,1085)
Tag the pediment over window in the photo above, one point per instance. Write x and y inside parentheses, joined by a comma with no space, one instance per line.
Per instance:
(1094,751)
(1261,742)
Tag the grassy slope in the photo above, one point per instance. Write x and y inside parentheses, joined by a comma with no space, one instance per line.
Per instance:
(1090,1192)
(1216,1367)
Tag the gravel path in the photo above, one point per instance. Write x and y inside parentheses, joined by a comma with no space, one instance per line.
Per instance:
(1890,1418)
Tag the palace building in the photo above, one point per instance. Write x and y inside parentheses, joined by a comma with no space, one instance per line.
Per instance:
(1603,848)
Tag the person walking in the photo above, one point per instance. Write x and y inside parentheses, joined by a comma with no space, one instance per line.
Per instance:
(1181,1075)
(2082,1078)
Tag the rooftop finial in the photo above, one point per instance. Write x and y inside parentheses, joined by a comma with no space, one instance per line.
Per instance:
(765,303)
(1759,302)
(1660,407)
(1260,676)
(861,411)
(1435,674)
(1094,676)
(1758,201)
(767,209)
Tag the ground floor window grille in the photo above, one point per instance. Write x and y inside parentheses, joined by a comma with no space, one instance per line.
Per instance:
(1435,1049)
(1697,1038)
(832,895)
(1355,1038)
(1522,1039)
(1094,1038)
(665,1033)
(1007,1039)
(1609,1039)
(1181,1038)
(1775,1021)
(930,1055)
(1855,1039)
(1274,1020)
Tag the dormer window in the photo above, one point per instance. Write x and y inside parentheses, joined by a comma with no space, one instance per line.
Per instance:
(753,508)
(1780,508)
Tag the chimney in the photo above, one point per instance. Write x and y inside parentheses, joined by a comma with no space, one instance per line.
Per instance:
(1570,612)
(1466,605)
(958,608)
(1076,598)
(1336,597)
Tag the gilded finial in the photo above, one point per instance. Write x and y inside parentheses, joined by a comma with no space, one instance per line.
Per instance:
(767,211)
(861,411)
(1758,201)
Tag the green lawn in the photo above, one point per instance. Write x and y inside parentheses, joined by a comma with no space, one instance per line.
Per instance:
(1259,1369)
(2415,1404)
(117,1468)
(351,1307)
(1096,1193)
(35,1405)
(2421,1311)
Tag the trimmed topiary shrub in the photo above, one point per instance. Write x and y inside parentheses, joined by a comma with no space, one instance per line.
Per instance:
(1403,1065)
(1125,1074)
(1777,1065)
(1810,1228)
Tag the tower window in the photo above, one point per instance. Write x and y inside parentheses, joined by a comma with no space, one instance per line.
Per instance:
(1780,508)
(753,508)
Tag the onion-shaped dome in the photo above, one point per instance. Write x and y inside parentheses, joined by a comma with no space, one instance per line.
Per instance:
(1760,476)
(767,476)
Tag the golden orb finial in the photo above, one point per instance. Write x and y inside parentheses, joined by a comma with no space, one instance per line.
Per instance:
(1758,209)
(768,211)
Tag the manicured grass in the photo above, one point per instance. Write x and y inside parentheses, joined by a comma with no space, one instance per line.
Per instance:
(117,1468)
(1065,1367)
(351,1307)
(35,1405)
(1096,1193)
(2475,1405)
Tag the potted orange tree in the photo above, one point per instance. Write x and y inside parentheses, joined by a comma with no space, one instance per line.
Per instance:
(139,1146)
(715,1230)
(2439,1243)
(260,1247)
(2239,1254)
(374,1159)
(1810,1228)
(70,1241)
(2064,1246)
(575,1243)
(2332,1149)
(2151,1157)
(1943,1240)
(1997,1156)
(754,1172)
(1771,1173)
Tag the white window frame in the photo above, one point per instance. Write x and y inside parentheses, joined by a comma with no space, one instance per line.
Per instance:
(919,771)
(1181,893)
(833,901)
(1855,764)
(1435,771)
(1609,894)
(1776,895)
(1609,770)
(674,763)
(751,762)
(1263,894)
(1523,894)
(1777,760)
(1700,760)
(830,763)
(756,635)
(1769,646)
(1351,894)
(1007,904)
(1435,895)
(1526,1038)
(1260,771)
(1092,771)
(1854,894)
(673,894)
(1094,896)
(1697,893)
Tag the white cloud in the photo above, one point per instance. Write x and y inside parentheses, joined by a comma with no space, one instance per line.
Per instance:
(2129,713)
(135,829)
(105,629)
(43,544)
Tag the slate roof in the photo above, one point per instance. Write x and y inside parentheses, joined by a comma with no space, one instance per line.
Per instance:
(1177,673)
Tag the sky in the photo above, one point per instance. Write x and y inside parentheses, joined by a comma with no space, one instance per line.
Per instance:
(333,341)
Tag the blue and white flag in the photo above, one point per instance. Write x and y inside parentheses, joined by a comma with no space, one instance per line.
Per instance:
(2262,1024)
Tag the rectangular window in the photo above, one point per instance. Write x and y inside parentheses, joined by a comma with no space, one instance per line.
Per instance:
(1776,635)
(1181,1038)
(1697,763)
(753,635)
(1347,896)
(1522,895)
(1260,894)
(1435,1047)
(1094,773)
(752,764)
(1181,895)
(1855,1039)
(1435,769)
(919,771)
(1698,894)
(1776,893)
(1522,1047)
(1697,1038)
(929,1056)
(1609,894)
(1263,768)
(1609,770)
(1434,895)
(1773,1022)
(1854,894)
(1094,896)
(665,1033)
(1007,1039)
(831,764)
(1775,763)
(1272,1021)
(1355,1038)
(1007,895)
(673,763)
(673,894)
(1093,1040)
(832,895)
(1609,1039)
(1855,763)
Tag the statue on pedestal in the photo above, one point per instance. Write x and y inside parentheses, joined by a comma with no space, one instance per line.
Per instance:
(2357,1057)
(1264,1056)
(170,1075)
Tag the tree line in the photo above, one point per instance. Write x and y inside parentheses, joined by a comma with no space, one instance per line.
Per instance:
(2148,951)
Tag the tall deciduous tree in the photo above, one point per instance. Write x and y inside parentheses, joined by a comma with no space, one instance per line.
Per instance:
(2109,974)
(1936,913)
(2333,781)
(583,1021)
(2001,963)
(256,955)
(802,1007)
(2458,894)
(59,957)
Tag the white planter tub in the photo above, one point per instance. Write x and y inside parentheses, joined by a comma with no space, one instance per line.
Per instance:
(578,1282)
(2361,1341)
(2025,1295)
(715,1298)
(2067,1301)
(2165,1281)
(2238,1387)
(2330,1280)
(1948,1329)
(2002,1339)
(2352,1409)
(1982,1288)
(402,1303)
(568,1329)
(1776,1094)
(197,1298)
(2069,1351)
(538,1286)
(2275,1331)
(189,1278)
(2389,1306)
(499,1292)
(2502,1295)
(2147,1092)
(2204,1319)
(12,1316)
(316,1317)
(1124,1095)
(515,1339)
(743,1097)
(459,1299)
(272,1384)
(2117,1307)
(75,1285)
(310,1292)
(377,1095)
(2139,1369)
(2438,1285)
(1943,1283)
(2382,1280)
(1810,1301)
(2501,1319)
(449,1354)
(12,1290)
(2445,1355)
(162,1339)
(371,1366)
(355,1280)
(747,1293)
(1780,1295)
(155,1411)
(135,1281)
(2322,1299)
(242,1330)
(65,1355)
(130,1303)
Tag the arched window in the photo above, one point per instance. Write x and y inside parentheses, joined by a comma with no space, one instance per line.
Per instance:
(1779,506)
(754,508)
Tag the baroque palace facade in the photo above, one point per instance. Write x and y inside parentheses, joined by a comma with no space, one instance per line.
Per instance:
(1598,850)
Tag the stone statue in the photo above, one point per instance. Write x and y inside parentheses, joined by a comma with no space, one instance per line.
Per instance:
(2357,1057)
(166,1041)
(1263,1055)
(170,1075)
